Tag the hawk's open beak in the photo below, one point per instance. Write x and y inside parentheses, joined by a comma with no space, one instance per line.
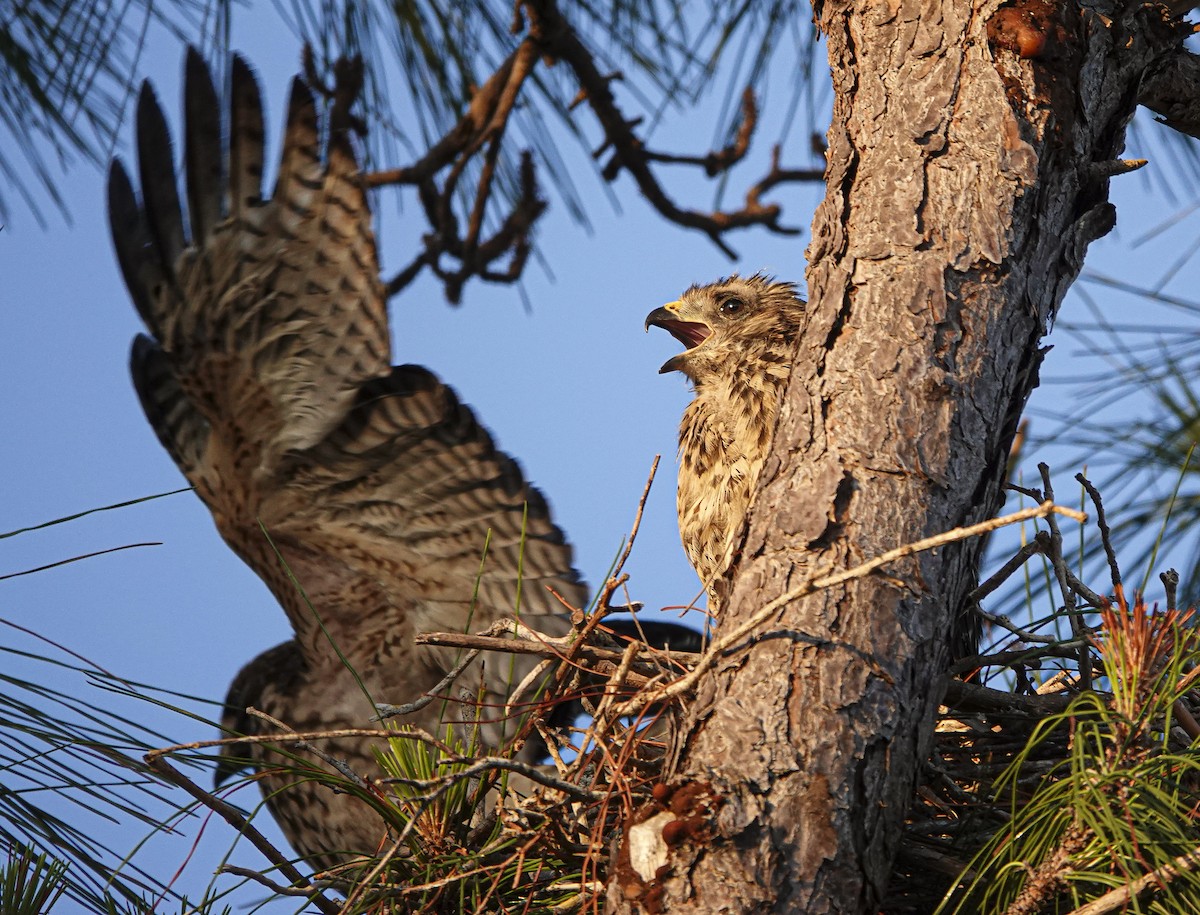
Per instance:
(690,333)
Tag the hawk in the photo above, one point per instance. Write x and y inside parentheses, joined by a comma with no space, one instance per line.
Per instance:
(366,496)
(740,334)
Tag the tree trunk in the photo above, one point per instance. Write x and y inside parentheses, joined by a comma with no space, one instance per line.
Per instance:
(968,170)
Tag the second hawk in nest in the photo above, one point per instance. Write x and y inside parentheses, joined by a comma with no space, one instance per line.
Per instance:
(267,375)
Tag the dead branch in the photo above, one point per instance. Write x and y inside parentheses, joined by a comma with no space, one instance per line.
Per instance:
(263,880)
(480,129)
(971,697)
(234,818)
(287,735)
(1119,899)
(1059,565)
(392,711)
(1105,533)
(455,252)
(337,764)
(557,40)
(550,648)
(1026,655)
(479,766)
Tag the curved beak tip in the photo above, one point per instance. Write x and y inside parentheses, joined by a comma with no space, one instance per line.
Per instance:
(660,314)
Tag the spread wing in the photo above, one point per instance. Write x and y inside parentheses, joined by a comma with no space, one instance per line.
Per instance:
(267,376)
(367,497)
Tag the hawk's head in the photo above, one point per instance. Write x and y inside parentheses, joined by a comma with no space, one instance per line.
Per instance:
(727,322)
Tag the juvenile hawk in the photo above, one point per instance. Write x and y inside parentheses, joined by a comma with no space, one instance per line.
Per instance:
(740,334)
(267,375)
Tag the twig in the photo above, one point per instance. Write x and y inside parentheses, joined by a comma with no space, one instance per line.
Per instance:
(478,767)
(1027,491)
(392,711)
(367,882)
(971,697)
(338,765)
(261,878)
(1062,680)
(1055,554)
(529,685)
(999,619)
(551,741)
(1170,580)
(780,175)
(543,647)
(1093,599)
(637,518)
(1119,898)
(1037,545)
(1102,524)
(718,161)
(582,627)
(287,736)
(1054,649)
(604,719)
(234,818)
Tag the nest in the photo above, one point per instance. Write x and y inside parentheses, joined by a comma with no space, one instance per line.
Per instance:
(497,834)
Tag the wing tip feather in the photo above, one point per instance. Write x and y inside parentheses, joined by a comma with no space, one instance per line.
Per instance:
(203,146)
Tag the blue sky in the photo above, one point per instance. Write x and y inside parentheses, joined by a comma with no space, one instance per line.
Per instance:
(569,387)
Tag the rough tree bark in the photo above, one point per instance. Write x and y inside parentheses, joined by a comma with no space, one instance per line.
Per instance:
(968,170)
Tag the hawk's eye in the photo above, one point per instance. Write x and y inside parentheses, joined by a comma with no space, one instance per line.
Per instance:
(732,306)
